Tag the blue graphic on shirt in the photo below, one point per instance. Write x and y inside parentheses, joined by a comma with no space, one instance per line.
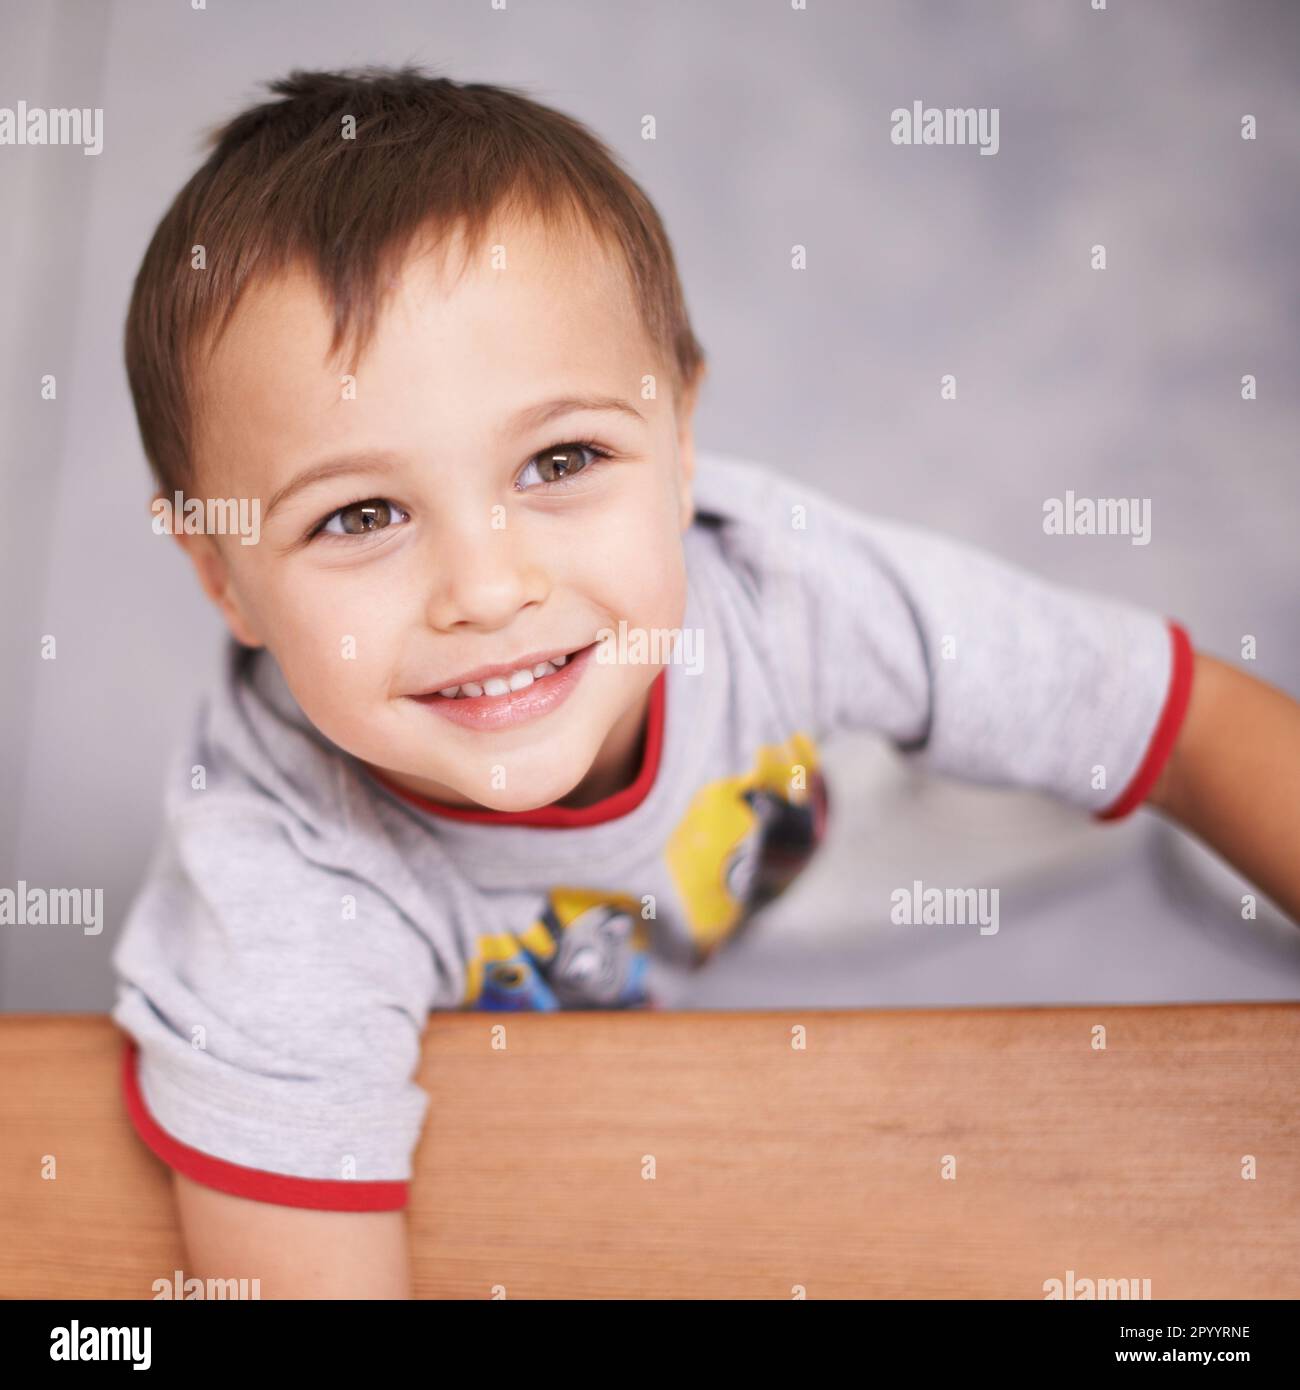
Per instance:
(585,950)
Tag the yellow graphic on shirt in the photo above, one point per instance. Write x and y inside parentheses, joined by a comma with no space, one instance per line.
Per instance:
(743,839)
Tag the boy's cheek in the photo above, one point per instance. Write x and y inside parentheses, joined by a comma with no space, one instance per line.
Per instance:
(345,703)
(336,659)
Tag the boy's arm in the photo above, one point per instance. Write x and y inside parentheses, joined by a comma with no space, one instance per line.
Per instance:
(1233,777)
(295,1252)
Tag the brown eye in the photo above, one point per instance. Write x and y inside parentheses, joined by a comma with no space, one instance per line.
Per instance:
(559,464)
(360,518)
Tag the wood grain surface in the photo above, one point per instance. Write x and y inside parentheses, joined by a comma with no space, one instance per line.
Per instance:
(702,1155)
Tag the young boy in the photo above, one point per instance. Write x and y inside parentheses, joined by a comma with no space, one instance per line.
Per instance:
(524,701)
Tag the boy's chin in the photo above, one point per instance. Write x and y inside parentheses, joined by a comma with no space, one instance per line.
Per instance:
(532,797)
(522,795)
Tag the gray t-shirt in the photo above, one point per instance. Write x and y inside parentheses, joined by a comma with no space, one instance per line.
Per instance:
(301,919)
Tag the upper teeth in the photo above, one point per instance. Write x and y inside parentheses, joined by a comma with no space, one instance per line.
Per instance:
(499,685)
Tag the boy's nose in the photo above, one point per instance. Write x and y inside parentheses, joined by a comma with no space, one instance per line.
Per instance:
(480,576)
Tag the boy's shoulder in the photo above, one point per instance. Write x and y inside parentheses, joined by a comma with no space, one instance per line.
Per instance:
(251,762)
(781,525)
(745,493)
(768,529)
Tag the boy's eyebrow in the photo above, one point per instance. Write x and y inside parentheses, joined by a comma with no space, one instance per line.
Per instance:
(331,468)
(530,418)
(533,417)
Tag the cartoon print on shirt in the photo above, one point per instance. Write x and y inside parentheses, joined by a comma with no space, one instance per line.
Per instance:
(586,949)
(743,840)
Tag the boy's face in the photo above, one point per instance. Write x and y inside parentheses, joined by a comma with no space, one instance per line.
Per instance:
(449,538)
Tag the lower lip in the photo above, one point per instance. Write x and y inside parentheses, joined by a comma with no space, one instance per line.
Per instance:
(515,706)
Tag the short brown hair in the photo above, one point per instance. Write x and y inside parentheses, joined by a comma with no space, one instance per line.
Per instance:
(281,185)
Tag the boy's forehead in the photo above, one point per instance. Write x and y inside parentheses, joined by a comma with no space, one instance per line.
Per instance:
(525,277)
(532,310)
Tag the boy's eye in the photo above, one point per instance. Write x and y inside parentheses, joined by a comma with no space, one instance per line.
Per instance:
(359,518)
(556,465)
(553,467)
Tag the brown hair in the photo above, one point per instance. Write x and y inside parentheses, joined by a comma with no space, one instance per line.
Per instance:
(281,185)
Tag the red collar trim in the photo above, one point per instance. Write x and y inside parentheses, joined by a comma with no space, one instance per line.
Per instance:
(567,817)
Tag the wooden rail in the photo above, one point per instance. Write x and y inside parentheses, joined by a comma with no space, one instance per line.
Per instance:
(707,1155)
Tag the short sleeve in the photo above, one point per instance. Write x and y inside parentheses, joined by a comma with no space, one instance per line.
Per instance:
(972,666)
(274,1011)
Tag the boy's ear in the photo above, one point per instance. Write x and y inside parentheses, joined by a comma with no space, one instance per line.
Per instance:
(210,566)
(686,447)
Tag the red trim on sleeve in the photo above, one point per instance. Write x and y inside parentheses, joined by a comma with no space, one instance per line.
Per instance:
(325,1194)
(1166,732)
(566,817)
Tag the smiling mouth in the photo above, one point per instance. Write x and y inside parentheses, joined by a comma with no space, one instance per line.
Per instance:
(505,683)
